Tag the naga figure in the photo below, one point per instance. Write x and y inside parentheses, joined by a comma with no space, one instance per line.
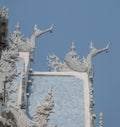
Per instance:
(93,52)
(27,45)
(73,62)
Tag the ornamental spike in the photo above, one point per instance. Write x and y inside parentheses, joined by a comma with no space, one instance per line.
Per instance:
(73,46)
(17,27)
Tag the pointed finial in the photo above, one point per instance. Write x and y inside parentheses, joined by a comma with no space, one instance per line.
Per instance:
(17,27)
(73,47)
(73,50)
(101,120)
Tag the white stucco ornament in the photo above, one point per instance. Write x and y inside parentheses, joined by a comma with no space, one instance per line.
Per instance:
(27,45)
(73,62)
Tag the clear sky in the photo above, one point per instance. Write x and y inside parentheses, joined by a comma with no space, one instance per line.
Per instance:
(80,21)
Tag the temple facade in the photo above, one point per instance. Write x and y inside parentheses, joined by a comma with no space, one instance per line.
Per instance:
(62,97)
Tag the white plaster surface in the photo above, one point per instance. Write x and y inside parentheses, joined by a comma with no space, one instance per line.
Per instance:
(25,57)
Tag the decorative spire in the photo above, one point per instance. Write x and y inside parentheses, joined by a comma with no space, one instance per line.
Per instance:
(17,27)
(101,120)
(73,50)
(17,33)
(73,47)
(17,36)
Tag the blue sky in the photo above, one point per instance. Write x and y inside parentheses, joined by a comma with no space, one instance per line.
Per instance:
(80,21)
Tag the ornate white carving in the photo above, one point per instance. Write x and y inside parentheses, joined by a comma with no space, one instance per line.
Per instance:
(8,66)
(73,62)
(55,63)
(93,52)
(27,45)
(12,116)
(92,102)
(8,58)
(44,109)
